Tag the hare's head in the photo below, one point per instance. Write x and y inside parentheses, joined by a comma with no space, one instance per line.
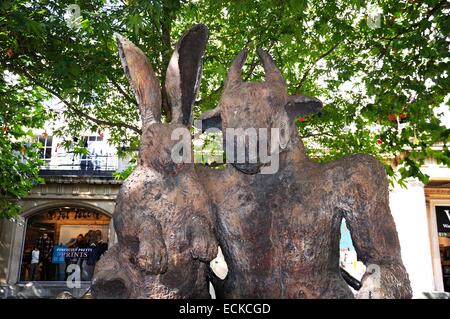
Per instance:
(182,82)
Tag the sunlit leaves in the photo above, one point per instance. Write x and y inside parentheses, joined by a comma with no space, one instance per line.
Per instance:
(21,110)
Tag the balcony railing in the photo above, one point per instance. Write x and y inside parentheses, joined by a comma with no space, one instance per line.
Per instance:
(81,164)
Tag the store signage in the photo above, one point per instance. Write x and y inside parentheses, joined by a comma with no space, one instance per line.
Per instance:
(60,253)
(58,215)
(443,219)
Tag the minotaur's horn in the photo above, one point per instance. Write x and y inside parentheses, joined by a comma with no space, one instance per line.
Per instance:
(271,70)
(235,72)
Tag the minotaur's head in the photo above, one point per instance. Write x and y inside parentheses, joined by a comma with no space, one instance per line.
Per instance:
(251,106)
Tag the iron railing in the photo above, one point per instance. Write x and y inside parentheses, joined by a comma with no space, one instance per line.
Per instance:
(76,162)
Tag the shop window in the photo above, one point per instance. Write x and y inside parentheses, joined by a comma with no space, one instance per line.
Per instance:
(443,228)
(93,138)
(61,237)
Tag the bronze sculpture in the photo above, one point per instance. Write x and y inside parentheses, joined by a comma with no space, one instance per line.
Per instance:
(163,215)
(279,232)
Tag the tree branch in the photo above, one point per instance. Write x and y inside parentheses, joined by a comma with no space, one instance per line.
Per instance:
(305,75)
(329,134)
(428,14)
(122,91)
(73,108)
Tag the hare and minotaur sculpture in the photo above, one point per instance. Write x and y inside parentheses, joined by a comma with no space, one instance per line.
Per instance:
(279,232)
(163,214)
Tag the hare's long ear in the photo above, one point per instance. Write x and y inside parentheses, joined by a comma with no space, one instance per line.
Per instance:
(143,80)
(184,73)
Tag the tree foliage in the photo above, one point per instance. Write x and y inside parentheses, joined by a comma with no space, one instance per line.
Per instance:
(21,111)
(382,80)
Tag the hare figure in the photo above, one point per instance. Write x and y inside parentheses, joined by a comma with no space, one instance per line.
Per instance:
(163,215)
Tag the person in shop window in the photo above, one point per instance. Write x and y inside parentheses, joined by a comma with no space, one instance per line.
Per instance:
(103,245)
(45,246)
(58,259)
(92,257)
(76,242)
(34,263)
(73,245)
(97,248)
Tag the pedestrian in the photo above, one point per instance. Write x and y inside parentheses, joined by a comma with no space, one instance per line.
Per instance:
(34,263)
(45,247)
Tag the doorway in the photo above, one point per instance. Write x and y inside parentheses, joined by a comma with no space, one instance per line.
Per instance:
(59,237)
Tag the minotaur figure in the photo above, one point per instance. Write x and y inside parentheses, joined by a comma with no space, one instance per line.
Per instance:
(280,232)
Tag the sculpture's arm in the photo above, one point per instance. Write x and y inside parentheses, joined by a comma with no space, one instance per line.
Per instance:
(110,279)
(202,240)
(152,255)
(363,198)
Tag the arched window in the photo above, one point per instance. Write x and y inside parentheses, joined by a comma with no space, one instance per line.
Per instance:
(58,238)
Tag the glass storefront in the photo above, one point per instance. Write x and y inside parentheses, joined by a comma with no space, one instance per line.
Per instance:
(58,238)
(443,224)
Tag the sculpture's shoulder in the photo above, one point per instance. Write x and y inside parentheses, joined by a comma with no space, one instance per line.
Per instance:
(140,181)
(217,181)
(357,166)
(354,161)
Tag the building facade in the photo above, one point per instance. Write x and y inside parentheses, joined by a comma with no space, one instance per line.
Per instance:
(73,210)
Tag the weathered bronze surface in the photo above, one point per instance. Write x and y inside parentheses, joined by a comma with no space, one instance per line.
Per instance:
(280,232)
(163,215)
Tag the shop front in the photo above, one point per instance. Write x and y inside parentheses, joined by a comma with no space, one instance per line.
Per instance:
(63,240)
(438,195)
(66,225)
(443,228)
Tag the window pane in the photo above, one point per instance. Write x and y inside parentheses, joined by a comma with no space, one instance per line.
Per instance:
(48,152)
(58,238)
